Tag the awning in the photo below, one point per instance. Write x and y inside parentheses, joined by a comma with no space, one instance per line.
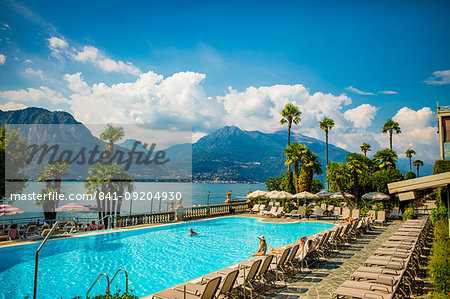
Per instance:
(407,189)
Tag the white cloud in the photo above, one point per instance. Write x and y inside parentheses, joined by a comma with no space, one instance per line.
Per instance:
(357,91)
(37,73)
(2,59)
(439,77)
(33,95)
(388,92)
(151,98)
(6,27)
(361,116)
(93,55)
(12,106)
(28,61)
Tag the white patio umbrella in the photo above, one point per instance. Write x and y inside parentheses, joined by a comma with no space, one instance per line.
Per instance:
(305,195)
(7,210)
(324,194)
(338,195)
(257,193)
(376,196)
(280,195)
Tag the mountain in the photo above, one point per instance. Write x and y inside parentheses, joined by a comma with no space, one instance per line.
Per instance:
(232,154)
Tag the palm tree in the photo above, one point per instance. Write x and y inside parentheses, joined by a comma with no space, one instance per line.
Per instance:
(409,153)
(292,152)
(365,148)
(417,164)
(325,125)
(309,164)
(355,166)
(51,175)
(338,173)
(111,134)
(385,158)
(291,115)
(389,127)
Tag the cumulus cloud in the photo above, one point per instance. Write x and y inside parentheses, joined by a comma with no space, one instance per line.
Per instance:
(150,99)
(388,92)
(439,77)
(93,55)
(33,95)
(2,59)
(357,91)
(12,106)
(361,116)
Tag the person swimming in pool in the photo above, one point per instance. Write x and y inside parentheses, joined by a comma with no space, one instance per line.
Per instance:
(302,242)
(262,247)
(191,232)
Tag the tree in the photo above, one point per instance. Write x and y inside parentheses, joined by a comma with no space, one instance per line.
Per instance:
(51,175)
(309,165)
(417,164)
(111,134)
(409,153)
(390,127)
(287,182)
(108,183)
(365,148)
(293,152)
(13,156)
(385,158)
(291,115)
(325,125)
(381,178)
(338,174)
(355,166)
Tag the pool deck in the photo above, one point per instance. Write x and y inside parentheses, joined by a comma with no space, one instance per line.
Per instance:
(329,274)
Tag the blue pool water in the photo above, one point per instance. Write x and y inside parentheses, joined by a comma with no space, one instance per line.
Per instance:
(155,258)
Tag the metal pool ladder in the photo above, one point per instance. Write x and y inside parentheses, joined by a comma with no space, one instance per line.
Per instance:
(109,282)
(36,265)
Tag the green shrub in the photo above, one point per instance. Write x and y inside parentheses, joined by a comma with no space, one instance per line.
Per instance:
(441,166)
(440,212)
(117,295)
(409,214)
(440,261)
(410,175)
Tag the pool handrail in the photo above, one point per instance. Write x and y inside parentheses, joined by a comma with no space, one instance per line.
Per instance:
(126,277)
(107,286)
(36,265)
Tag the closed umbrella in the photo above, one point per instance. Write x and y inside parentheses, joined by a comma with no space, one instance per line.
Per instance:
(376,196)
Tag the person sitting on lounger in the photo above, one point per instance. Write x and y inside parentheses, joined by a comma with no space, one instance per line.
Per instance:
(348,220)
(191,232)
(262,247)
(302,242)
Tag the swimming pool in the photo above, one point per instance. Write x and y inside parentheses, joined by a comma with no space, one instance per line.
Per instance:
(155,257)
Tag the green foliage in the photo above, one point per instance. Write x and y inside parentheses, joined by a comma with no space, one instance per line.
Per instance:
(365,148)
(15,151)
(117,295)
(381,178)
(410,175)
(289,206)
(440,212)
(385,158)
(316,186)
(441,166)
(440,261)
(274,183)
(287,182)
(409,214)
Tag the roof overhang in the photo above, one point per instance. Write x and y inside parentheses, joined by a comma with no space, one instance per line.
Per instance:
(408,189)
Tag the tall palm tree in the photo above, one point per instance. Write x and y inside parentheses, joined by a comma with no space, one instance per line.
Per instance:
(409,153)
(111,134)
(338,173)
(365,148)
(417,164)
(390,127)
(385,158)
(292,152)
(355,166)
(291,115)
(325,125)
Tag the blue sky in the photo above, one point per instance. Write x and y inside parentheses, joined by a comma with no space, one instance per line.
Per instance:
(234,63)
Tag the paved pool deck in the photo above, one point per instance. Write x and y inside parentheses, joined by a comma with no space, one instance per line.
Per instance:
(329,274)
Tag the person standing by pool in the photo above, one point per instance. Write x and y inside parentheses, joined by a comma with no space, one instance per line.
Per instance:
(191,232)
(262,247)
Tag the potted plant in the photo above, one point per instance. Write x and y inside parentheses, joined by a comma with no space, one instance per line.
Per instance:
(228,197)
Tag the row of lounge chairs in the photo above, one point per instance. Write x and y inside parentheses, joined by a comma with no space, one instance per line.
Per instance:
(391,271)
(268,210)
(258,274)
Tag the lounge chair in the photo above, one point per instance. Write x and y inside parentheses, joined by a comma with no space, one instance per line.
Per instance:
(381,218)
(279,212)
(291,213)
(396,213)
(226,287)
(345,214)
(355,213)
(272,211)
(247,281)
(191,290)
(301,212)
(31,231)
(276,268)
(255,209)
(262,209)
(318,213)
